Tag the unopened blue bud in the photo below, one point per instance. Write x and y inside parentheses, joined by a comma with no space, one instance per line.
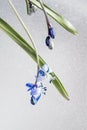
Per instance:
(41,73)
(47,41)
(51,32)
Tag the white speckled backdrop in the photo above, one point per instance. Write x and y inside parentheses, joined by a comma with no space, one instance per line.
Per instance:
(68,60)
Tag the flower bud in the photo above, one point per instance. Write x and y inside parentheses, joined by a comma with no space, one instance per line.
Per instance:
(46,69)
(49,42)
(51,32)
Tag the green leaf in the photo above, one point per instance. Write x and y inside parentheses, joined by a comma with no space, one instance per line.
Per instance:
(28,7)
(57,17)
(31,52)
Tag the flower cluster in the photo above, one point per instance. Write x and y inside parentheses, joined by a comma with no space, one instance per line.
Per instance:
(37,89)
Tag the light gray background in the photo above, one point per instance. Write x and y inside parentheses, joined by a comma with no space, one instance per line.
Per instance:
(68,60)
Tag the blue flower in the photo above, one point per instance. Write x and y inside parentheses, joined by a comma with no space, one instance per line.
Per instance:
(41,75)
(51,32)
(35,92)
(37,89)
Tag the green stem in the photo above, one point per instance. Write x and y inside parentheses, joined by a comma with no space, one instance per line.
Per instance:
(47,20)
(26,30)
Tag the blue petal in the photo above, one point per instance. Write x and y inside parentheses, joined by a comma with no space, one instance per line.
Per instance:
(41,73)
(35,100)
(38,97)
(30,86)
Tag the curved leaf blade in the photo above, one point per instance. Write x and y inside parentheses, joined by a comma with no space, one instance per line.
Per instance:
(25,46)
(57,17)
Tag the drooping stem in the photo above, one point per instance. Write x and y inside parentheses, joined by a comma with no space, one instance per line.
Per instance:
(26,30)
(47,20)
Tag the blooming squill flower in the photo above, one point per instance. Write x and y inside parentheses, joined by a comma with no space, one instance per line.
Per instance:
(35,92)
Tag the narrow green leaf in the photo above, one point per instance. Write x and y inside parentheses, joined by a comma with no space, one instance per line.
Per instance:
(57,17)
(25,45)
(27,6)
